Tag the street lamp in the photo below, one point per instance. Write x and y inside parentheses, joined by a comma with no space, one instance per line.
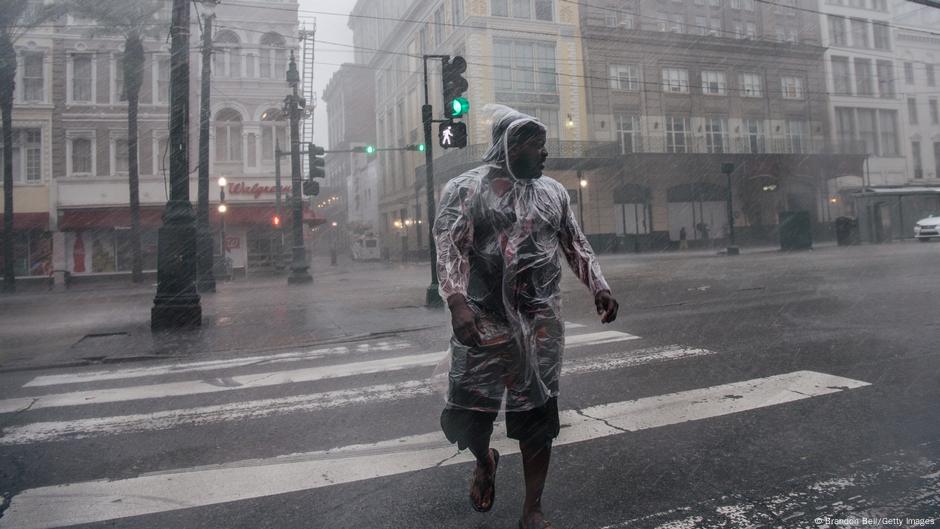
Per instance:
(582,184)
(728,168)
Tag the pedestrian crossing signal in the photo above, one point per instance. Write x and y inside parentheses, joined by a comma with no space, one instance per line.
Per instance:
(452,135)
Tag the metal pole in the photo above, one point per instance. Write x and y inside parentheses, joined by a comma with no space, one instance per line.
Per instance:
(224,250)
(206,280)
(732,248)
(279,258)
(580,201)
(299,268)
(433,296)
(176,303)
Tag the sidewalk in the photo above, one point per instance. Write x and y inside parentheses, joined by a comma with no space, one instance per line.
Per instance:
(111,323)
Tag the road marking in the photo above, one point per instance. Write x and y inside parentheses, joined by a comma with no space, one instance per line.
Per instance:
(208,365)
(255,409)
(102,500)
(256,380)
(573,325)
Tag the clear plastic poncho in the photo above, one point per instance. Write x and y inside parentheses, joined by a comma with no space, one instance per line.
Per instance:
(499,240)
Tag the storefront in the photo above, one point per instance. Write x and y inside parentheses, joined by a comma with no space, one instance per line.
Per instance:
(32,244)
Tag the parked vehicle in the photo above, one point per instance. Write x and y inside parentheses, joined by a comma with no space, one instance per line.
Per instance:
(928,228)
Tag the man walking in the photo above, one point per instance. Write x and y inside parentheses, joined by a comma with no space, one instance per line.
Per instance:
(499,231)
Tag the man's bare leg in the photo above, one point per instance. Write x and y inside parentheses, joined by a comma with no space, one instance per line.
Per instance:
(535,460)
(486,466)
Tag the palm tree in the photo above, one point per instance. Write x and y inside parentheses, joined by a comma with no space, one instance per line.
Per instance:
(16,17)
(134,20)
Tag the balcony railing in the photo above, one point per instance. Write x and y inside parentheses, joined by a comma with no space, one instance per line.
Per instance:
(688,144)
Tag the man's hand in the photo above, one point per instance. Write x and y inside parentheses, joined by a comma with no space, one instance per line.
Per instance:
(606,306)
(463,320)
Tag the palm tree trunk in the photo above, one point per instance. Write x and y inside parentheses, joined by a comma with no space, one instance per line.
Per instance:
(133,74)
(7,83)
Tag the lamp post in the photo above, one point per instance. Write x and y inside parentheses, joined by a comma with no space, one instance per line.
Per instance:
(582,183)
(299,273)
(205,281)
(728,168)
(176,304)
(223,207)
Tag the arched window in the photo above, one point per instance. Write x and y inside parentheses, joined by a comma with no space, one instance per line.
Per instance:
(273,127)
(227,55)
(273,57)
(228,136)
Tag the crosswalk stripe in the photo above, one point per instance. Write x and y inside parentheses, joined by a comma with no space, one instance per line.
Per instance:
(204,415)
(256,380)
(208,365)
(102,500)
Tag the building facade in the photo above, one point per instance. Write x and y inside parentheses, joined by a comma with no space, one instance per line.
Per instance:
(526,54)
(72,125)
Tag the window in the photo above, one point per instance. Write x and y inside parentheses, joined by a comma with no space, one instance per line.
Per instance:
(841,77)
(119,94)
(750,85)
(162,80)
(628,127)
(548,117)
(273,134)
(120,156)
(542,9)
(525,66)
(837,36)
(750,30)
(918,163)
(456,11)
(625,77)
(795,134)
(912,110)
(676,80)
(882,36)
(439,25)
(273,57)
(82,78)
(33,85)
(716,135)
(226,57)
(863,78)
(713,83)
(909,73)
(162,156)
(888,125)
(934,113)
(885,79)
(81,157)
(228,136)
(845,127)
(754,131)
(792,87)
(677,129)
(866,130)
(931,75)
(27,146)
(859,33)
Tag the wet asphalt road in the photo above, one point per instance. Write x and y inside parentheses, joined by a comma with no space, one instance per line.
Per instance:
(866,448)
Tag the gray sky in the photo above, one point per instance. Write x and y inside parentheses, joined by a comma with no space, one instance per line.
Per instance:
(327,57)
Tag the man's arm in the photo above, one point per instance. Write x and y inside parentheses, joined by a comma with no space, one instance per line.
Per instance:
(453,236)
(583,262)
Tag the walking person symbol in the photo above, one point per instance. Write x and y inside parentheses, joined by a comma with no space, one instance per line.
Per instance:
(446,135)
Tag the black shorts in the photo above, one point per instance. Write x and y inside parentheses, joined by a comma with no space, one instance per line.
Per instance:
(536,426)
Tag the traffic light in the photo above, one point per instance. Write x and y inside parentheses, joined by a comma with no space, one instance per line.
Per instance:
(454,86)
(416,147)
(370,150)
(276,221)
(311,188)
(314,154)
(452,135)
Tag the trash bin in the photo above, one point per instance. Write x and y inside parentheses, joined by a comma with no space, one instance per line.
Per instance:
(796,230)
(846,231)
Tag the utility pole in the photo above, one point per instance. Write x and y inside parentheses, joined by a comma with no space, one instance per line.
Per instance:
(176,304)
(299,273)
(206,280)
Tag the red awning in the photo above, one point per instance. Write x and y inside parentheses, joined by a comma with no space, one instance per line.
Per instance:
(237,215)
(28,221)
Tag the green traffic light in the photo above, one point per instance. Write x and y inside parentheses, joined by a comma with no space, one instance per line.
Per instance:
(421,147)
(370,149)
(458,107)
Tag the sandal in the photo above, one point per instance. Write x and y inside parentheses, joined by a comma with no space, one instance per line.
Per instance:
(488,484)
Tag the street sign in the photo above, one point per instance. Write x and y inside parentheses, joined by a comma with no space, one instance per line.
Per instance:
(452,135)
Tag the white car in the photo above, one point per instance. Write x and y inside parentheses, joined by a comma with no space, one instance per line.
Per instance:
(928,228)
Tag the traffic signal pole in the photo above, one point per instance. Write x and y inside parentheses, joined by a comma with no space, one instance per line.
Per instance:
(299,273)
(433,296)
